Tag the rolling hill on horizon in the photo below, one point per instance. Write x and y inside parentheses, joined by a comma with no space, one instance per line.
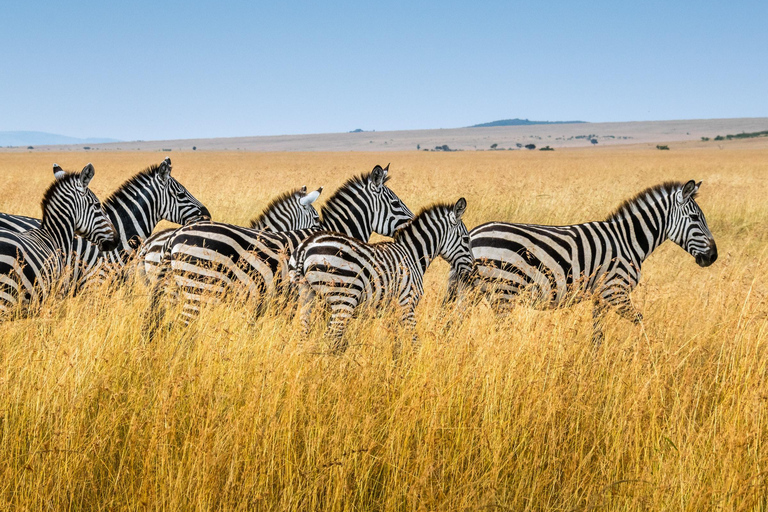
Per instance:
(32,138)
(521,122)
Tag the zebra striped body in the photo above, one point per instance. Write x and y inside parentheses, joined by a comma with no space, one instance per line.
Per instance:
(32,262)
(290,211)
(134,209)
(18,223)
(211,258)
(346,272)
(599,260)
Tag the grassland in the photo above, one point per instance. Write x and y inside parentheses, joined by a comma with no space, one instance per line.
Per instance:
(517,412)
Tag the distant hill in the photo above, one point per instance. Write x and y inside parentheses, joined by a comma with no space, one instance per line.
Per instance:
(42,139)
(520,122)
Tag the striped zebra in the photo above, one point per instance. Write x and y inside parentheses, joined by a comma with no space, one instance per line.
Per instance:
(134,209)
(32,262)
(213,258)
(601,261)
(346,272)
(290,211)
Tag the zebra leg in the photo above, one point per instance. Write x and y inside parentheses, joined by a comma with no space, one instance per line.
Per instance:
(408,319)
(342,308)
(306,305)
(154,315)
(628,311)
(598,322)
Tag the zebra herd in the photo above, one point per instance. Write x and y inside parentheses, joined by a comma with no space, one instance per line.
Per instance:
(292,253)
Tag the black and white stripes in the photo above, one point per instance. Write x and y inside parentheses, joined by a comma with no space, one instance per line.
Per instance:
(346,272)
(288,212)
(209,259)
(134,209)
(600,260)
(31,262)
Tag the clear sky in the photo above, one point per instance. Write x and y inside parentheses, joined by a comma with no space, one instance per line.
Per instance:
(157,70)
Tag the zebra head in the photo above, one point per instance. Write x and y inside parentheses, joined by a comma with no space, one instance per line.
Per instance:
(687,226)
(455,244)
(389,212)
(90,221)
(176,204)
(291,211)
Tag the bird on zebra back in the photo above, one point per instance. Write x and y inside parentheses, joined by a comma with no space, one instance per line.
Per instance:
(561,265)
(134,209)
(346,273)
(208,260)
(31,262)
(288,212)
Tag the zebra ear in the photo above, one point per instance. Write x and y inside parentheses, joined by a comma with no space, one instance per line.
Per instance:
(459,208)
(58,172)
(303,189)
(688,190)
(377,177)
(164,170)
(86,175)
(311,197)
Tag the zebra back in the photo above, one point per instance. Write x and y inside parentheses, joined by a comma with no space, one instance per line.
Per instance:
(290,211)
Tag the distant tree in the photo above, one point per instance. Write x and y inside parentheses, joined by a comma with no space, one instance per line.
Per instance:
(194,148)
(719,137)
(663,148)
(593,141)
(546,148)
(418,147)
(530,146)
(705,139)
(30,147)
(86,147)
(493,146)
(519,146)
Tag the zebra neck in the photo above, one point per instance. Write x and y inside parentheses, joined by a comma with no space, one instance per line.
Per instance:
(349,212)
(134,213)
(642,229)
(422,249)
(59,230)
(341,222)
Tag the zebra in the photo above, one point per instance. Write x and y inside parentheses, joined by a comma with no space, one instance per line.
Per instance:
(290,211)
(601,261)
(134,209)
(216,258)
(31,262)
(346,272)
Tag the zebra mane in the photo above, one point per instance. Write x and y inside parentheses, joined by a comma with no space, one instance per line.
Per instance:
(356,181)
(285,196)
(134,180)
(667,188)
(58,183)
(425,212)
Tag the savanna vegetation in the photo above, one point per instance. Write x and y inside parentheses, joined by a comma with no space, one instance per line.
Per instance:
(510,412)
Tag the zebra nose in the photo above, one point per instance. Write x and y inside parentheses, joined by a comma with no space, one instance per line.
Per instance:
(709,257)
(110,244)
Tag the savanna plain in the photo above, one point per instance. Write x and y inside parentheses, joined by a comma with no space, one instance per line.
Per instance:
(492,412)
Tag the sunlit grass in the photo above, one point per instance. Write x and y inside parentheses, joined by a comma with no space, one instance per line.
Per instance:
(511,412)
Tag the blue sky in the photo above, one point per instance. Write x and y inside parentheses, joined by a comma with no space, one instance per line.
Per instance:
(158,70)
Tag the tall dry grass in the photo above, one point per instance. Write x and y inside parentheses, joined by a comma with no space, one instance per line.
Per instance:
(517,412)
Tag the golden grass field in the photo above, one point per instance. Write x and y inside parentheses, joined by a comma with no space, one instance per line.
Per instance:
(517,412)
